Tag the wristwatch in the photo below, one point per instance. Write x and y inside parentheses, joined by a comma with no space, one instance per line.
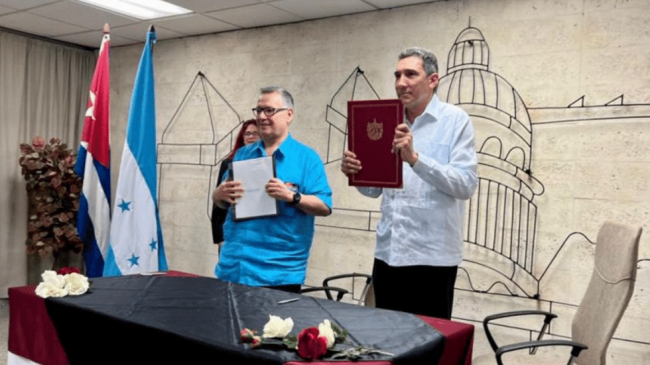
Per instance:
(296,199)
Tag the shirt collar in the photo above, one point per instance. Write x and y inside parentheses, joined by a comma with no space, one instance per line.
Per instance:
(433,108)
(283,149)
(258,146)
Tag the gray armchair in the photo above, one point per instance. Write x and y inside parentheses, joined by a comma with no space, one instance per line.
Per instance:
(602,306)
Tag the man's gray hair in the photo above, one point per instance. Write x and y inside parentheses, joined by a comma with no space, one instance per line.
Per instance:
(287,99)
(429,60)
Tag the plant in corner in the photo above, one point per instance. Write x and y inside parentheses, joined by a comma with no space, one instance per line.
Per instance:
(53,190)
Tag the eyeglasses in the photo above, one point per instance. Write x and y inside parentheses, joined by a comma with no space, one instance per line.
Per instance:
(250,134)
(268,111)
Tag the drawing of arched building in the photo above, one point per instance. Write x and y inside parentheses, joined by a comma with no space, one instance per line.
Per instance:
(501,222)
(501,218)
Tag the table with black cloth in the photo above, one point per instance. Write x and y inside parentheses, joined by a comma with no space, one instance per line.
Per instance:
(171,319)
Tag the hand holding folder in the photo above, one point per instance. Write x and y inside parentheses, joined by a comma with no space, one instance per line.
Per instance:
(371,130)
(254,174)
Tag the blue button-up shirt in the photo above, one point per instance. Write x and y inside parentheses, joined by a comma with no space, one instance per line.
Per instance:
(274,250)
(421,224)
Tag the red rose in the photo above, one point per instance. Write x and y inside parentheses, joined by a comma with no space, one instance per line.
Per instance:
(256,342)
(67,270)
(310,346)
(246,335)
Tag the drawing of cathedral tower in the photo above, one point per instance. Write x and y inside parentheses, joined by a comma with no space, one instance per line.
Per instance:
(501,218)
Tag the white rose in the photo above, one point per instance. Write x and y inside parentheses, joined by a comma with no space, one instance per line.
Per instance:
(48,289)
(277,327)
(325,330)
(53,278)
(76,284)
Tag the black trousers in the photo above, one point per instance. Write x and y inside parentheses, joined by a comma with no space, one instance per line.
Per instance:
(424,290)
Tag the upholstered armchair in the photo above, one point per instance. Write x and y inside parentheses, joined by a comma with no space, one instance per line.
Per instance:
(602,306)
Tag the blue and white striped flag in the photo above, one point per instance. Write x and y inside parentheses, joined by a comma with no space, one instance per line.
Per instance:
(94,167)
(136,238)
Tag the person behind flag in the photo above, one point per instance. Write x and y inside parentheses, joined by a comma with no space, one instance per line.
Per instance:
(273,251)
(247,135)
(93,167)
(136,244)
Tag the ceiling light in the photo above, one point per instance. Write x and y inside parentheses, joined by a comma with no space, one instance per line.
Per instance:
(142,9)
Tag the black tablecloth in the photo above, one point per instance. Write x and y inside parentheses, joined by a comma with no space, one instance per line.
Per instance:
(140,319)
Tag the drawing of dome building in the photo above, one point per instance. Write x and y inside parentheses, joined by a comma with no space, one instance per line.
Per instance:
(501,218)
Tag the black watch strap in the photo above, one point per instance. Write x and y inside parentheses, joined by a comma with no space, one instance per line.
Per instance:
(296,199)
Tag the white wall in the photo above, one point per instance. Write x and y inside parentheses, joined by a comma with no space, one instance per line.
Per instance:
(592,160)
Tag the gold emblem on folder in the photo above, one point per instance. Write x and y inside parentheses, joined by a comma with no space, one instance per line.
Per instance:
(375,130)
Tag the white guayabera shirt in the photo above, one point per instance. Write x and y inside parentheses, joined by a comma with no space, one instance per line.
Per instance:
(421,224)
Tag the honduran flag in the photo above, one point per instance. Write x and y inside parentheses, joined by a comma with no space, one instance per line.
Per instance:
(93,166)
(136,238)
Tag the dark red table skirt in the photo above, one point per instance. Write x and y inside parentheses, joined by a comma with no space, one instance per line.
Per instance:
(33,336)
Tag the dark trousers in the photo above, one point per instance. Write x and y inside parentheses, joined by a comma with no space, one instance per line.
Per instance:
(425,290)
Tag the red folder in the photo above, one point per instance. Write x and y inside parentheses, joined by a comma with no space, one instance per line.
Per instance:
(371,129)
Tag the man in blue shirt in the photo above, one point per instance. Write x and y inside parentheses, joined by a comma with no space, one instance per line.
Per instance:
(273,251)
(419,235)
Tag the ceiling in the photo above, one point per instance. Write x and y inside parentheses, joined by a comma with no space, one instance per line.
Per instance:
(72,22)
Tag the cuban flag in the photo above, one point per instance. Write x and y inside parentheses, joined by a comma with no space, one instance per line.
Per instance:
(94,168)
(136,238)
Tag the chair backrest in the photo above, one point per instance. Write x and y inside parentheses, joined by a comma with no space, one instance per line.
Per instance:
(367,295)
(340,292)
(609,291)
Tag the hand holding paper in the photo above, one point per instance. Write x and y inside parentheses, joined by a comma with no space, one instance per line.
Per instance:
(228,191)
(254,175)
(278,190)
(372,128)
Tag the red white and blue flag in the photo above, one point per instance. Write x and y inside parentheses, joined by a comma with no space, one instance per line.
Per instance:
(93,166)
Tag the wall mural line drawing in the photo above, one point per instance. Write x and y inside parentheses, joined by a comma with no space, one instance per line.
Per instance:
(195,148)
(502,216)
(355,87)
(501,220)
(501,223)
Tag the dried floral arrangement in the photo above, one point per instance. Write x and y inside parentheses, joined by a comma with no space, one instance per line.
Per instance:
(53,190)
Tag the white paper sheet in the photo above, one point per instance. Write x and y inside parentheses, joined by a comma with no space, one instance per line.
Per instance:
(254,174)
